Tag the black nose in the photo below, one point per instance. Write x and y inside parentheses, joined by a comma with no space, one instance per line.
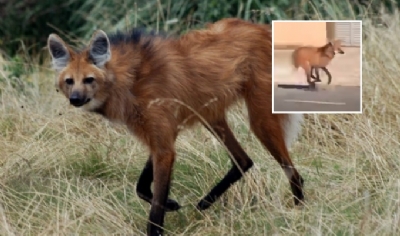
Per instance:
(76,99)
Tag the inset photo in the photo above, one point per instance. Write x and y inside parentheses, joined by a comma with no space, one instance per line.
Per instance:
(316,67)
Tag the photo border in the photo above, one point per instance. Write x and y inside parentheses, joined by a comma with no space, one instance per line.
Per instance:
(316,112)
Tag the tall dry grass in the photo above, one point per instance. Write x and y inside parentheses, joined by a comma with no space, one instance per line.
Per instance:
(63,171)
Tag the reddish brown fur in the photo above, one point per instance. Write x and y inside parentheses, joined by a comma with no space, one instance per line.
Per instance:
(315,57)
(207,70)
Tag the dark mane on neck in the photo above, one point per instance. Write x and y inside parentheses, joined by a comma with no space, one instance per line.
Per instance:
(134,36)
(323,48)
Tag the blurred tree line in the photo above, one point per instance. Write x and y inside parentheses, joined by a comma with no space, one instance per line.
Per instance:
(26,24)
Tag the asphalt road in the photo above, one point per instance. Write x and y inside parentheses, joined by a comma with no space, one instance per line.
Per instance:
(298,98)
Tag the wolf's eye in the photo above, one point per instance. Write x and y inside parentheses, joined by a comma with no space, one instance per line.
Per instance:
(69,81)
(88,80)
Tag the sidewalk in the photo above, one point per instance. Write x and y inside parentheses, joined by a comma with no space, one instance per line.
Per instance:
(345,69)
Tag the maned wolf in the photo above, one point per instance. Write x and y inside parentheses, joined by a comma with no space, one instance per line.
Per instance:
(157,86)
(310,58)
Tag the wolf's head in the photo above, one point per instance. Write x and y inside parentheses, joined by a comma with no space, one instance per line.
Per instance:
(337,46)
(82,76)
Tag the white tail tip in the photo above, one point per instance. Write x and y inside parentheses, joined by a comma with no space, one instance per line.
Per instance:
(292,127)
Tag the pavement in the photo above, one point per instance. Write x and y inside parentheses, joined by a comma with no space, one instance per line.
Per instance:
(345,68)
(341,99)
(291,93)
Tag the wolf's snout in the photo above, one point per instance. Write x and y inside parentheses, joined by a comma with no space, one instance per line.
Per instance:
(77,99)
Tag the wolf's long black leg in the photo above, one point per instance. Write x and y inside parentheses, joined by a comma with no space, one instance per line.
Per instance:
(328,74)
(242,160)
(143,188)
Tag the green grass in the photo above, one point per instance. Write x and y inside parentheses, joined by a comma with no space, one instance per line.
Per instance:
(64,171)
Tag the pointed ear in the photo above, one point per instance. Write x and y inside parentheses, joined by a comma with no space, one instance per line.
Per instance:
(58,51)
(99,48)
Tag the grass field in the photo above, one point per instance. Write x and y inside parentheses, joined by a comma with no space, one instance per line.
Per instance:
(64,171)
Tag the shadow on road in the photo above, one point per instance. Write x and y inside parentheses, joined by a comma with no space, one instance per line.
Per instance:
(295,86)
